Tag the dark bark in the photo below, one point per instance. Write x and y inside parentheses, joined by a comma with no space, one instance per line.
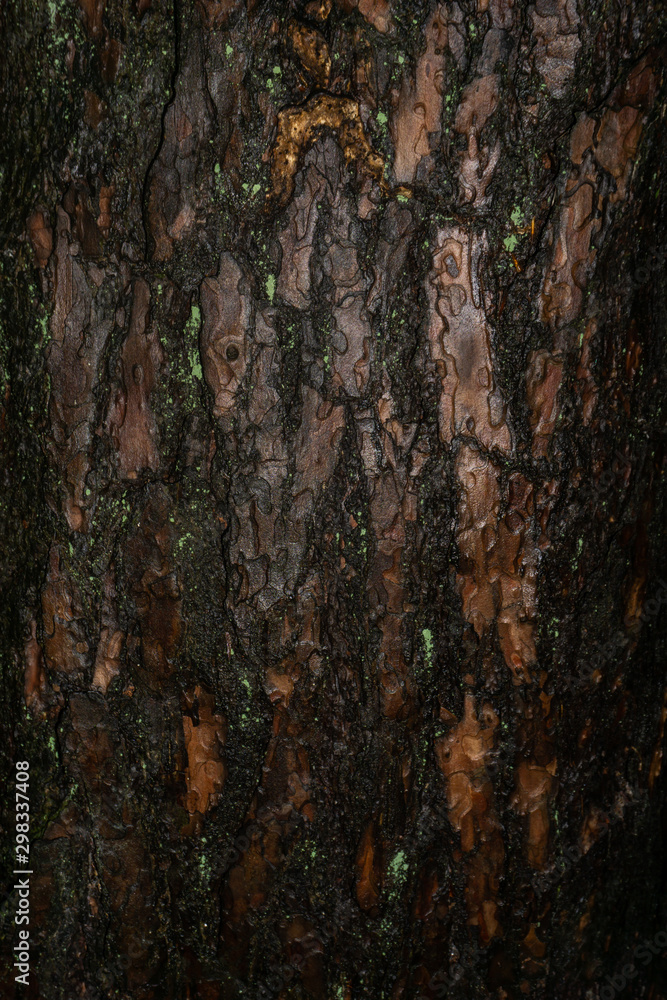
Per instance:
(333,422)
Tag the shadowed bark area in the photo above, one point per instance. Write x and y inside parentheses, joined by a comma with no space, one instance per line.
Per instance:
(333,499)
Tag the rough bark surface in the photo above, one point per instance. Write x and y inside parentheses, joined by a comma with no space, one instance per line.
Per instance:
(333,500)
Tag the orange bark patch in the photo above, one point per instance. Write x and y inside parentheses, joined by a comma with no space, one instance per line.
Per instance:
(545,373)
(204,734)
(498,560)
(299,127)
(218,12)
(478,518)
(312,50)
(110,54)
(633,352)
(318,10)
(246,889)
(305,951)
(95,110)
(41,237)
(581,138)
(105,199)
(298,781)
(377,13)
(287,770)
(107,660)
(617,140)
(656,760)
(93,14)
(35,682)
(462,757)
(634,603)
(595,824)
(531,798)
(585,919)
(77,204)
(534,951)
(369,869)
(279,684)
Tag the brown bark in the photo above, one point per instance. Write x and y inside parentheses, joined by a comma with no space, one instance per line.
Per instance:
(333,456)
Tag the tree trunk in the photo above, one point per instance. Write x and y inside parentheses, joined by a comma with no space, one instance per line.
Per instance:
(333,418)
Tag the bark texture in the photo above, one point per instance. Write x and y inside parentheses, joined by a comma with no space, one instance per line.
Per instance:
(333,500)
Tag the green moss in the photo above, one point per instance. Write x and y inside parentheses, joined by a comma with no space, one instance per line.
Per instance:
(398,868)
(192,329)
(427,636)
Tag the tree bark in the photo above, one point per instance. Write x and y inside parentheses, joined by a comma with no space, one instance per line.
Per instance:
(333,422)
